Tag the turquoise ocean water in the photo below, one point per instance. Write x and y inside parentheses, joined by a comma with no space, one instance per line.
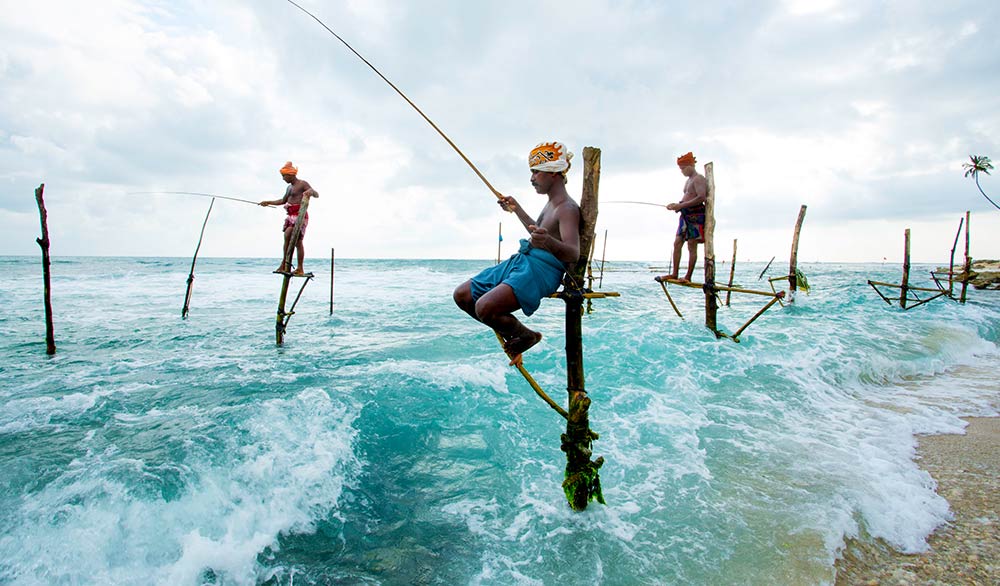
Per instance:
(390,443)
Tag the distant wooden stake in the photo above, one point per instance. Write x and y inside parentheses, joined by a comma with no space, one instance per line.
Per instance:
(968,260)
(190,281)
(793,281)
(951,263)
(331,281)
(761,275)
(732,272)
(711,305)
(600,280)
(43,242)
(906,269)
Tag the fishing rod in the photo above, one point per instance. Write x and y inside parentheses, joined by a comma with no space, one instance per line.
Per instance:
(644,203)
(402,95)
(192,193)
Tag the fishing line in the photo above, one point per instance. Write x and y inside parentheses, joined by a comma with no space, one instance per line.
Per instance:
(408,101)
(256,203)
(644,203)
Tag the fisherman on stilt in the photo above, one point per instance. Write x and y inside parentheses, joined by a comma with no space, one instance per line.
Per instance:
(296,190)
(536,270)
(691,225)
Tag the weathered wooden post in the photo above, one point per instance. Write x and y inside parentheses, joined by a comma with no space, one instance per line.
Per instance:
(906,269)
(190,281)
(732,273)
(968,260)
(793,264)
(711,304)
(282,318)
(582,482)
(43,242)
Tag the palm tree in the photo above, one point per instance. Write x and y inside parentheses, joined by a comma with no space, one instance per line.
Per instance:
(980,163)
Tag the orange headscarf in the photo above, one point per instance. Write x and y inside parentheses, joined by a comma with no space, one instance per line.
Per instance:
(289,169)
(686,159)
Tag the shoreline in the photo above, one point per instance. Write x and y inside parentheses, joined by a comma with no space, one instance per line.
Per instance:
(963,551)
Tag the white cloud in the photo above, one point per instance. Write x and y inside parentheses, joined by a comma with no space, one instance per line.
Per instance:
(864,112)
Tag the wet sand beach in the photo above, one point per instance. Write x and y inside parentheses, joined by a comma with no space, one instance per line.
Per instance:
(964,551)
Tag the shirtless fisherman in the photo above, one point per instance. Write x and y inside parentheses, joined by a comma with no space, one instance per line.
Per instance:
(691,226)
(536,270)
(296,190)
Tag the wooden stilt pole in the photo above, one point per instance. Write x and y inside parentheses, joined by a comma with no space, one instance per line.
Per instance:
(582,482)
(43,242)
(906,269)
(793,281)
(190,281)
(331,280)
(732,273)
(282,317)
(968,260)
(711,304)
(951,263)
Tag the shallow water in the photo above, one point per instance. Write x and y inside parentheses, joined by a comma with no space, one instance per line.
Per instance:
(390,443)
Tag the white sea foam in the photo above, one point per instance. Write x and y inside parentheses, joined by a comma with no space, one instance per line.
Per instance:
(286,467)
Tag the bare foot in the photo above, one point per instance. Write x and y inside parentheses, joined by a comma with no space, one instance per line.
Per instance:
(299,273)
(684,280)
(518,345)
(281,270)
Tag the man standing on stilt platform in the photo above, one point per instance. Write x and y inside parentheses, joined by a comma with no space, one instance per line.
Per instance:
(536,270)
(296,190)
(691,226)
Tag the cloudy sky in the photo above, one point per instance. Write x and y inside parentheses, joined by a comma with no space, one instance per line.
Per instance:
(864,111)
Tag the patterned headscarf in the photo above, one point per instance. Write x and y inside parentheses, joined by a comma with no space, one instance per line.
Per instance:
(551,157)
(289,169)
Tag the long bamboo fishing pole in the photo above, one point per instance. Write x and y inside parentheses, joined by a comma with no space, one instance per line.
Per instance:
(212,195)
(190,281)
(402,95)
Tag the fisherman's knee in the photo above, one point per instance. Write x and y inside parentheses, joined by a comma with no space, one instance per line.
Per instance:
(462,295)
(485,310)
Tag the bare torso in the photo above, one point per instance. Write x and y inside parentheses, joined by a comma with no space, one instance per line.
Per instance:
(294,192)
(694,187)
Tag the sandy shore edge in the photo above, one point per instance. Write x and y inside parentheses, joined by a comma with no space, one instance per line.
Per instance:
(965,551)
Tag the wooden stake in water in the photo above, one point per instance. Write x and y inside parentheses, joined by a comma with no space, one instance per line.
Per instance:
(582,482)
(711,305)
(190,281)
(600,279)
(43,242)
(732,273)
(968,260)
(281,322)
(906,268)
(793,281)
(951,263)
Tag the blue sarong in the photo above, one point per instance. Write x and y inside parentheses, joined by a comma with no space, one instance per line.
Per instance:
(532,273)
